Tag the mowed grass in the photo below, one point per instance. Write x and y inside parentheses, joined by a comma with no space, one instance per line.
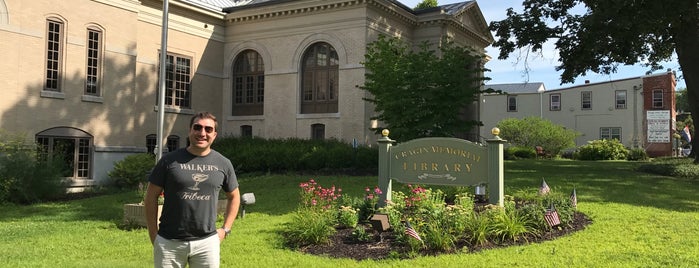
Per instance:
(639,220)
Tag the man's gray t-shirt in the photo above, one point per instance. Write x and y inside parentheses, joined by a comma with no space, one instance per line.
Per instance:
(191,185)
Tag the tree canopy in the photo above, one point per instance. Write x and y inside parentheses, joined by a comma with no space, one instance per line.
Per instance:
(609,33)
(420,93)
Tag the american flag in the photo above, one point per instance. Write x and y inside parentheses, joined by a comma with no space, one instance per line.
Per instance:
(544,189)
(411,232)
(574,199)
(551,217)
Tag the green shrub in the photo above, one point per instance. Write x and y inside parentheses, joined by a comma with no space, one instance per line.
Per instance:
(309,227)
(670,166)
(132,170)
(602,150)
(24,178)
(518,152)
(637,154)
(284,155)
(533,131)
(359,234)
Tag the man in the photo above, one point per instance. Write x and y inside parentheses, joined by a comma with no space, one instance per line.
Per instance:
(191,179)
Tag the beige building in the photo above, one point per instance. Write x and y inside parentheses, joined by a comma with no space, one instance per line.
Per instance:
(638,111)
(80,77)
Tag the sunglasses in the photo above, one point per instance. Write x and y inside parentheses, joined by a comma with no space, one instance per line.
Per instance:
(198,127)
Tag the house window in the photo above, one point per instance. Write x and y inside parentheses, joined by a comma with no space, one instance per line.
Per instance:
(54,55)
(620,99)
(151,143)
(586,100)
(248,84)
(94,61)
(555,102)
(610,133)
(72,146)
(173,143)
(318,132)
(319,81)
(511,103)
(658,98)
(246,131)
(178,83)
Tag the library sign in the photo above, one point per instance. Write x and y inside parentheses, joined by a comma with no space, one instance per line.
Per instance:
(443,161)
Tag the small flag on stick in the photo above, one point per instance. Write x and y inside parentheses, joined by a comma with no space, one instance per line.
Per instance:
(544,189)
(411,232)
(574,199)
(551,217)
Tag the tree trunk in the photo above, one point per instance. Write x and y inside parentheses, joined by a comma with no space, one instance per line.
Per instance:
(686,34)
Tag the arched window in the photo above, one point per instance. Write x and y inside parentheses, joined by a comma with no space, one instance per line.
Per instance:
(248,84)
(319,85)
(73,145)
(151,143)
(93,74)
(55,42)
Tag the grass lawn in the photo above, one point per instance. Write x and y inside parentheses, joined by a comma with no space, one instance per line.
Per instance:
(639,220)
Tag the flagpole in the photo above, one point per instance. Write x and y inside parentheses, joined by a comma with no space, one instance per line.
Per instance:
(161,79)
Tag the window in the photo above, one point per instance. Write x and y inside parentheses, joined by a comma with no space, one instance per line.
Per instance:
(555,102)
(658,98)
(586,100)
(319,80)
(318,132)
(620,99)
(72,146)
(151,143)
(94,62)
(178,86)
(511,103)
(610,133)
(246,131)
(54,55)
(248,84)
(173,143)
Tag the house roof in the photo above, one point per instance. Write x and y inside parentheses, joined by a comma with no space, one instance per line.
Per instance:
(532,87)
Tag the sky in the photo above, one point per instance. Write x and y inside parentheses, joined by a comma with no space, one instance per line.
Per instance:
(542,67)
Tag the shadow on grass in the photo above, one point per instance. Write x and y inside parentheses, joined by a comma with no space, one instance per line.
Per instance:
(594,181)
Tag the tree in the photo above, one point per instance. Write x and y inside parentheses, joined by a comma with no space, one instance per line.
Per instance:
(608,34)
(426,4)
(681,101)
(418,93)
(534,131)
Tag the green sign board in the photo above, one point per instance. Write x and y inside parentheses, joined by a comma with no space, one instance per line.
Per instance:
(442,161)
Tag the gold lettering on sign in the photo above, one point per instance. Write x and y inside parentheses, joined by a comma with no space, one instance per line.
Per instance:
(436,167)
(438,150)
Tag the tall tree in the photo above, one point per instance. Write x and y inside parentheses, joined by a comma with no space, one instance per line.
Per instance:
(420,93)
(608,34)
(427,4)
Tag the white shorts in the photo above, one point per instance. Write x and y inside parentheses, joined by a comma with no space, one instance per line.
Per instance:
(177,253)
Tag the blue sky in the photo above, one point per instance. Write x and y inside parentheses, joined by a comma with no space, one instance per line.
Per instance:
(542,67)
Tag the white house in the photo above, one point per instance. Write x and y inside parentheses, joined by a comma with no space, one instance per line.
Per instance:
(638,111)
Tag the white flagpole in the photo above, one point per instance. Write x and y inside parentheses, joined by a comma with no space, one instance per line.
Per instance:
(161,88)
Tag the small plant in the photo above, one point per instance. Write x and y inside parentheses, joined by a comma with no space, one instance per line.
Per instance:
(347,217)
(369,204)
(359,234)
(314,195)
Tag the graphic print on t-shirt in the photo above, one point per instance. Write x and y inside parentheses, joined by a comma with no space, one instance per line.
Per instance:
(198,177)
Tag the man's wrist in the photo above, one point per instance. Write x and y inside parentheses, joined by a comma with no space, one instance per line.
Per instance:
(226,231)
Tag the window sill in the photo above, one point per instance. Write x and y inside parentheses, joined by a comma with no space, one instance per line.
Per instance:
(53,94)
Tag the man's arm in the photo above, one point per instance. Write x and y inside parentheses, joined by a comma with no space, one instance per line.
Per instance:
(151,206)
(231,211)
